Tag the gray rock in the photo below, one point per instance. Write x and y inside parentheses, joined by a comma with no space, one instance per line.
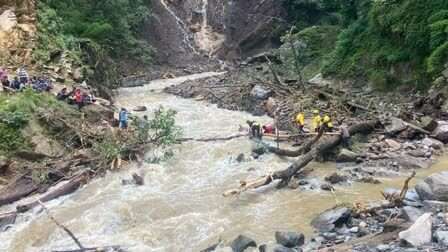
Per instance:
(441,132)
(331,218)
(420,232)
(411,163)
(260,93)
(428,123)
(140,108)
(411,213)
(326,187)
(347,156)
(241,243)
(383,248)
(354,230)
(434,187)
(397,125)
(290,239)
(433,143)
(335,178)
(240,158)
(442,237)
(260,150)
(417,153)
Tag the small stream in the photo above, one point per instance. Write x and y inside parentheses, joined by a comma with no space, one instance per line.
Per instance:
(180,207)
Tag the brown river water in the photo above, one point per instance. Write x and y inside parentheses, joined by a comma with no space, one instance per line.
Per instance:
(181,207)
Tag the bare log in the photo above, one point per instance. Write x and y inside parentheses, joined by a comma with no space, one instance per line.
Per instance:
(332,140)
(211,139)
(68,187)
(286,174)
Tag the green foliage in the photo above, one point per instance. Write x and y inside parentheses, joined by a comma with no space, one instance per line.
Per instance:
(163,127)
(15,113)
(311,45)
(438,59)
(109,148)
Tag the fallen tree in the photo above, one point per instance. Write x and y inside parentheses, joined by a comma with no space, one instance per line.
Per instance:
(308,155)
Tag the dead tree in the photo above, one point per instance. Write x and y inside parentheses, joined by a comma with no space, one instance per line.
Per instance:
(285,175)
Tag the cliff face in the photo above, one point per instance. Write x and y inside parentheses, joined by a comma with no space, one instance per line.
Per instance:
(184,30)
(17,31)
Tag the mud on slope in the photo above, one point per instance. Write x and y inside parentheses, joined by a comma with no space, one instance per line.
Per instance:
(186,32)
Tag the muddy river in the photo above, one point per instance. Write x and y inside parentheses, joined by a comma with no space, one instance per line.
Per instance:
(180,207)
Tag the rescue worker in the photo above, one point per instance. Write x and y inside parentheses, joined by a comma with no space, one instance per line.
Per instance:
(123,119)
(327,123)
(300,120)
(254,129)
(317,120)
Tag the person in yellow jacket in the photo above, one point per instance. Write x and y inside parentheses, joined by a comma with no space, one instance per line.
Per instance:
(327,123)
(317,120)
(300,120)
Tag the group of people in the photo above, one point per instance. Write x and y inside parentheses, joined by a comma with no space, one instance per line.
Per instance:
(318,122)
(22,81)
(80,96)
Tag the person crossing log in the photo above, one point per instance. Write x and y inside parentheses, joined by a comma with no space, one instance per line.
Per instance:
(307,156)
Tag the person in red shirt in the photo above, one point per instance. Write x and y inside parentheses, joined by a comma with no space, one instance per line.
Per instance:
(268,129)
(78,98)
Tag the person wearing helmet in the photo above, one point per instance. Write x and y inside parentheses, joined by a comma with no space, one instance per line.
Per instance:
(327,123)
(317,120)
(300,120)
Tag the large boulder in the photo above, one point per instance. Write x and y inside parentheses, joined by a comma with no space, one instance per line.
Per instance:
(433,143)
(241,243)
(396,126)
(410,162)
(434,187)
(441,132)
(331,218)
(428,123)
(420,232)
(290,239)
(260,93)
(346,155)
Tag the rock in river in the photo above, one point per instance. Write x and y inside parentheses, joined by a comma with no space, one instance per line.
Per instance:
(275,248)
(441,132)
(241,243)
(331,218)
(347,156)
(434,187)
(420,232)
(290,239)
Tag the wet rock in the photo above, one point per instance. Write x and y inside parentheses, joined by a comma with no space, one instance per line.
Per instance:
(346,155)
(138,180)
(294,183)
(331,218)
(411,213)
(417,153)
(412,163)
(6,220)
(140,108)
(303,182)
(442,237)
(326,187)
(434,187)
(241,243)
(383,248)
(260,93)
(335,178)
(441,132)
(290,239)
(433,143)
(394,145)
(259,150)
(397,125)
(420,232)
(240,158)
(369,180)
